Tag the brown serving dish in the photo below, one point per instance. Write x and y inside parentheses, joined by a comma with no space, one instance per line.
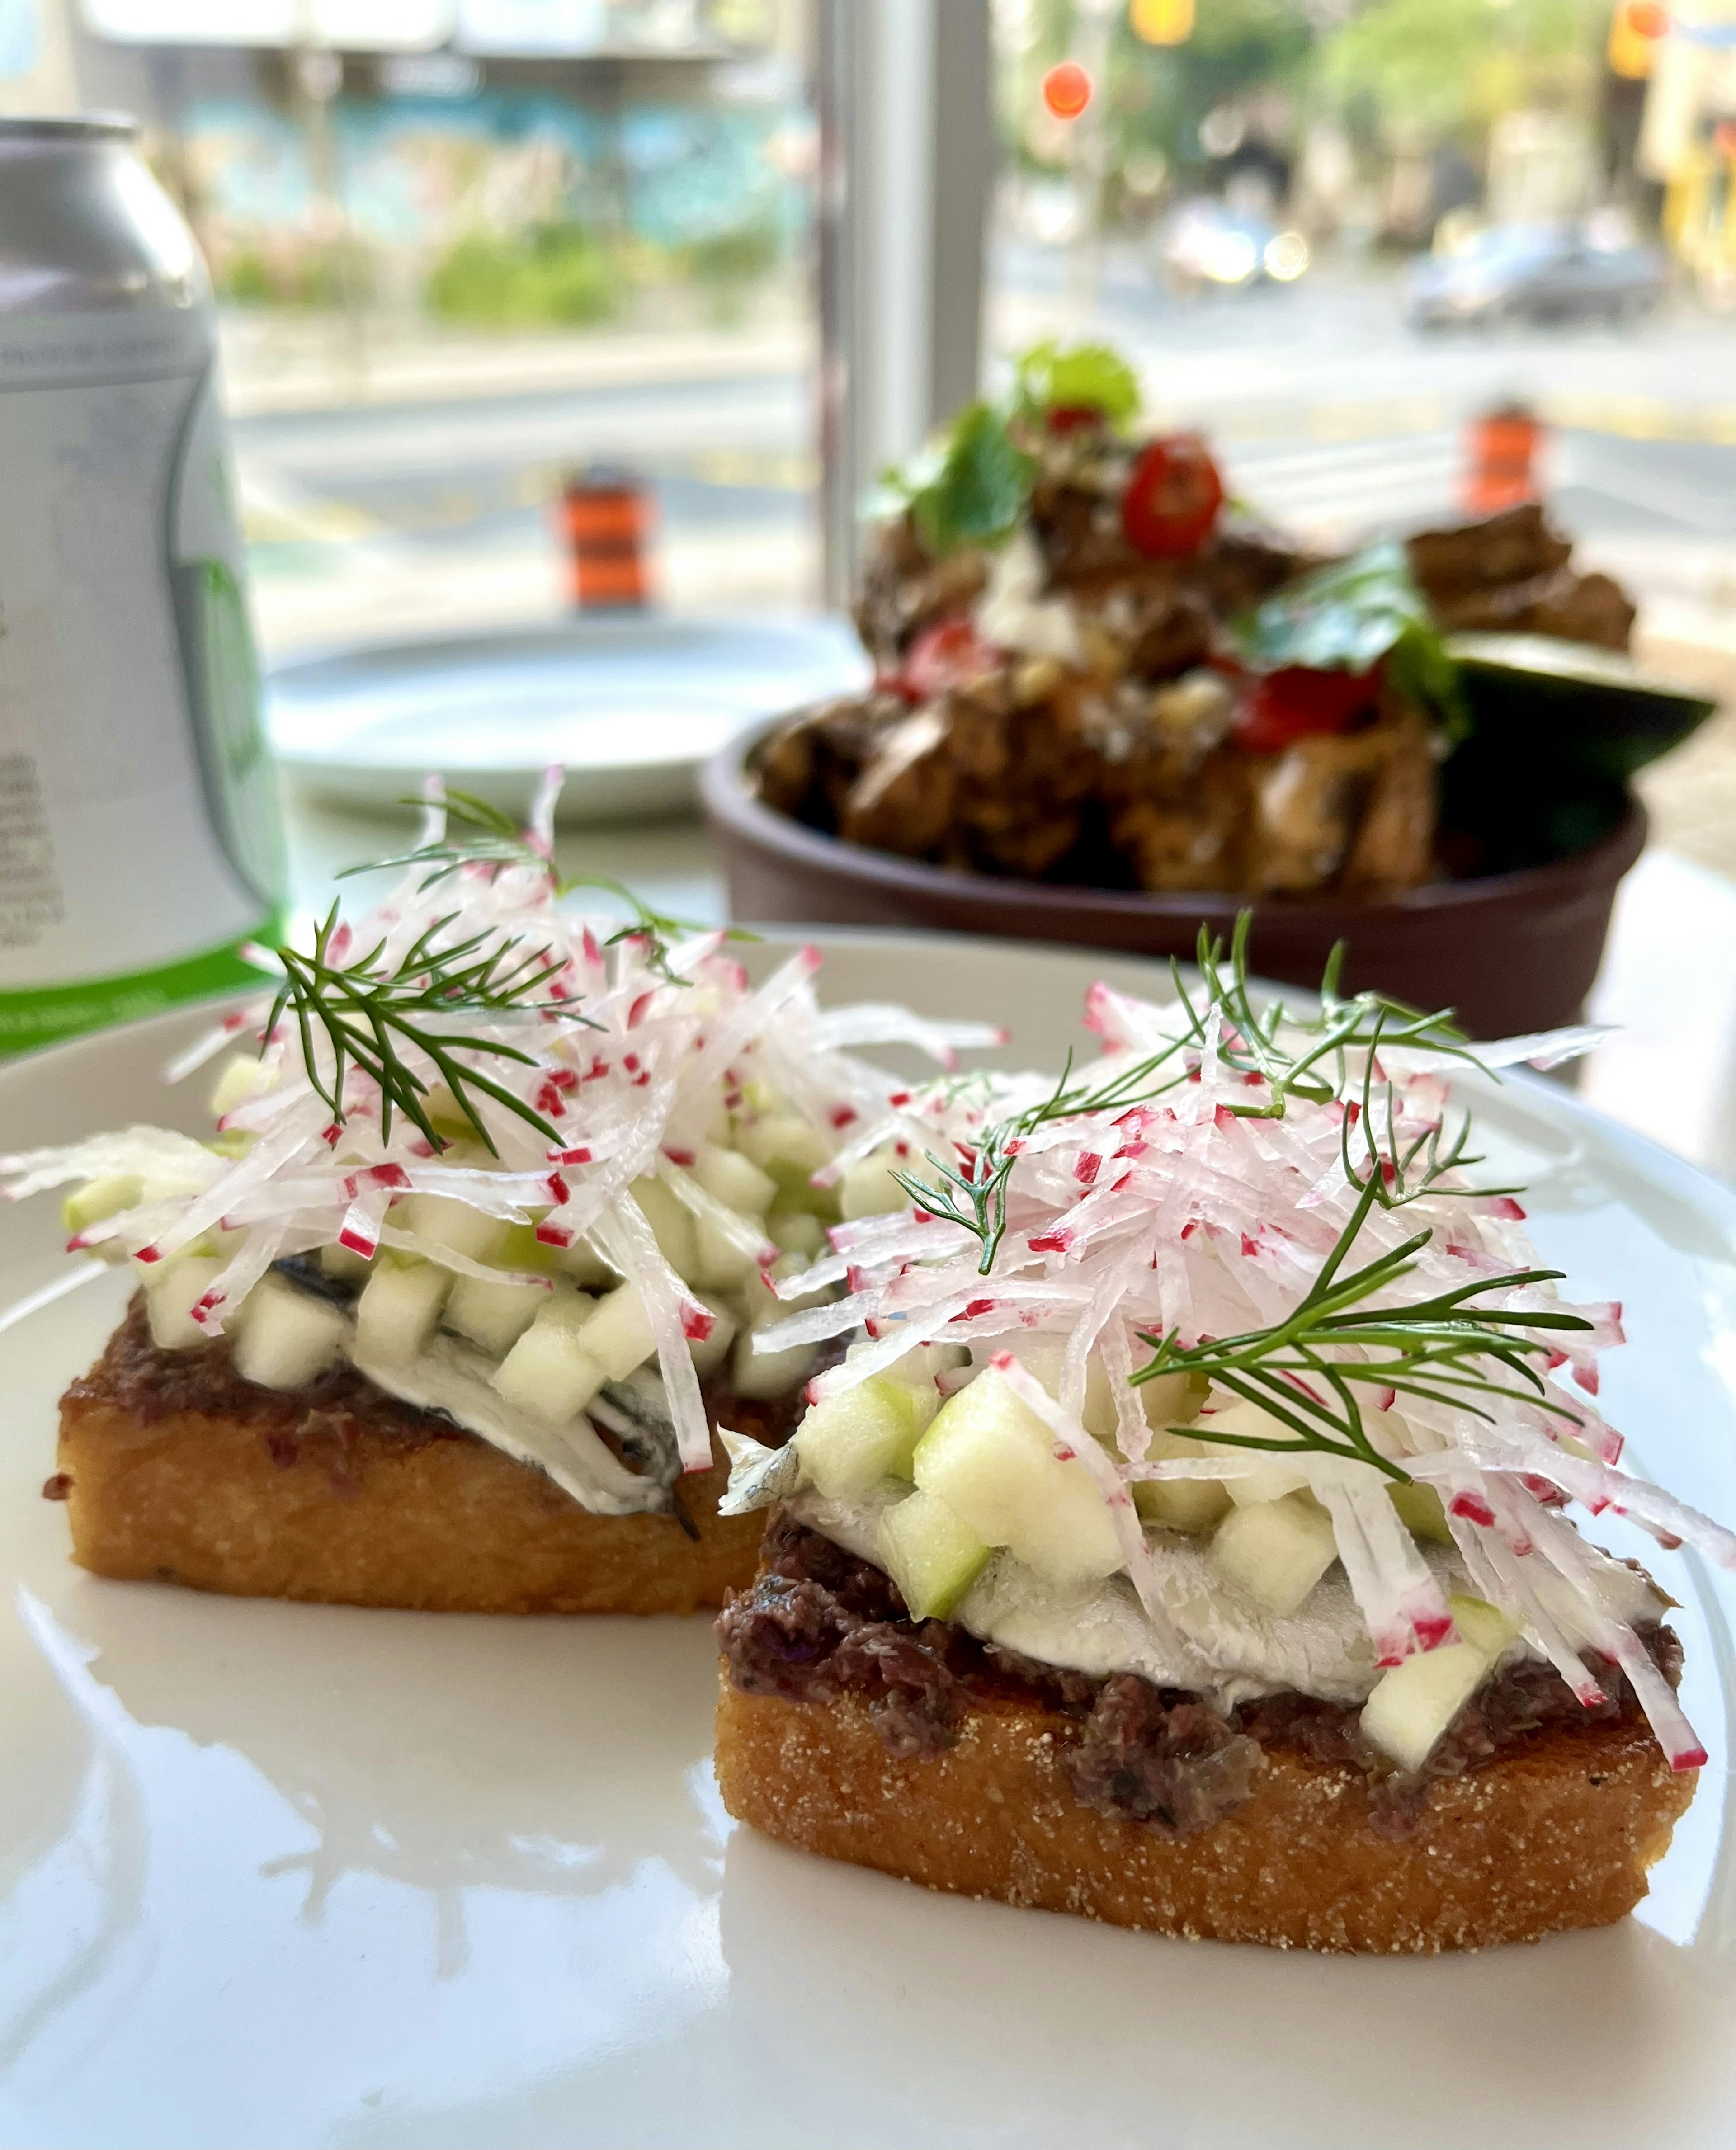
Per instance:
(1511,951)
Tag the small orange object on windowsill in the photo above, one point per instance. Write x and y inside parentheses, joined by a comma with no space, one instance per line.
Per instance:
(1501,463)
(606,518)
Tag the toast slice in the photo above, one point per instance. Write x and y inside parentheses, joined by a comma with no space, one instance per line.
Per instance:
(848,1729)
(174,1469)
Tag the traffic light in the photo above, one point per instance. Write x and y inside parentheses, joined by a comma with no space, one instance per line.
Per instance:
(1635,30)
(1161,21)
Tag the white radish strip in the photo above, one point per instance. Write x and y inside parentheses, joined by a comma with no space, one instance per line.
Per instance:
(231,1285)
(627,1241)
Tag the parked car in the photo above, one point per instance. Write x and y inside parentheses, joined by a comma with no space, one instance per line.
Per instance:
(1536,273)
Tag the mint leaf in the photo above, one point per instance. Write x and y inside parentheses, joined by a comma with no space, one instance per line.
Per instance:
(1090,377)
(976,491)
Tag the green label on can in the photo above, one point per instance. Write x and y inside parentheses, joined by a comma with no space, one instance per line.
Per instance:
(47,1014)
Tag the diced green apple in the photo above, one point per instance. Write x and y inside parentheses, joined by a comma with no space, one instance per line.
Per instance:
(762,1374)
(850,1442)
(796,1232)
(244,1076)
(1267,1480)
(493,1313)
(100,1199)
(718,1264)
(992,1461)
(1044,1359)
(1484,1625)
(1413,1703)
(343,1264)
(734,1180)
(398,1309)
(782,1144)
(582,1262)
(452,1223)
(619,1335)
(284,1338)
(1276,1551)
(548,1374)
(1420,1511)
(170,1300)
(868,1189)
(708,1352)
(932,1555)
(672,1225)
(1194,1506)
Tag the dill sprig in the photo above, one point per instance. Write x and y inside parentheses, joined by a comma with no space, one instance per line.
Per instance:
(370,1012)
(493,838)
(1445,1348)
(1311,1064)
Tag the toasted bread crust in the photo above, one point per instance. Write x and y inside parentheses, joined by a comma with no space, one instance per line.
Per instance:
(1554,1833)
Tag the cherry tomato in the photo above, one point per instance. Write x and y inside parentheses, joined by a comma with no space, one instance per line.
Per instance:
(1294,703)
(1172,499)
(944,655)
(1071,418)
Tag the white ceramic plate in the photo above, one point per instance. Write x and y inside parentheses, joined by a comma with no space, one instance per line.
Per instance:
(284,1875)
(632,704)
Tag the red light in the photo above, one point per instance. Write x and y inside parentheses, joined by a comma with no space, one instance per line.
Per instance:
(1066,89)
(1646,19)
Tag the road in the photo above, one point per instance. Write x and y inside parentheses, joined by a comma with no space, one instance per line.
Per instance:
(1328,415)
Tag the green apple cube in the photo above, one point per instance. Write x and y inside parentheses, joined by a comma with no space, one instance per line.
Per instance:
(992,1461)
(1484,1625)
(672,1225)
(784,1145)
(451,1223)
(581,1261)
(170,1298)
(493,1313)
(1420,1511)
(868,1189)
(796,1232)
(762,1374)
(1171,1400)
(343,1264)
(244,1076)
(619,1335)
(1276,1551)
(1044,1358)
(100,1199)
(850,1442)
(708,1352)
(734,1180)
(1268,1480)
(1192,1506)
(398,1309)
(548,1374)
(718,1264)
(1413,1703)
(932,1555)
(284,1338)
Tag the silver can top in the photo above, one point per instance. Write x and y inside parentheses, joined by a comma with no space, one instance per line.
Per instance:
(53,131)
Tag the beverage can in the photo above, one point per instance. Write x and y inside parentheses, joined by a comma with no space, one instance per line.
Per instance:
(141,849)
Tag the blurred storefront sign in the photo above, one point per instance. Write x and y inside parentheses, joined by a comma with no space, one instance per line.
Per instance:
(361,26)
(531,29)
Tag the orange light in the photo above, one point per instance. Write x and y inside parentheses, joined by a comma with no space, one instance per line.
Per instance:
(1161,21)
(1646,19)
(1066,89)
(1636,29)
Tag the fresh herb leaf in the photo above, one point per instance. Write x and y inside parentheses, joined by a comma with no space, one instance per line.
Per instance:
(975,491)
(370,1012)
(1350,616)
(1088,377)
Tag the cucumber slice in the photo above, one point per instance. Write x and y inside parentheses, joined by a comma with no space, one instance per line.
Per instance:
(548,1374)
(619,1335)
(1276,1551)
(284,1338)
(672,1226)
(398,1309)
(98,1198)
(932,1555)
(868,1189)
(450,1223)
(492,1314)
(735,1180)
(993,1462)
(848,1442)
(1413,1703)
(170,1302)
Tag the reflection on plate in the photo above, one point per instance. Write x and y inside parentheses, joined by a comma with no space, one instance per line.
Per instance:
(281,1874)
(631,703)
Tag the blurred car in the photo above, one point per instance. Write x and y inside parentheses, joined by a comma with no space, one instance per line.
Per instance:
(1537,273)
(1205,241)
